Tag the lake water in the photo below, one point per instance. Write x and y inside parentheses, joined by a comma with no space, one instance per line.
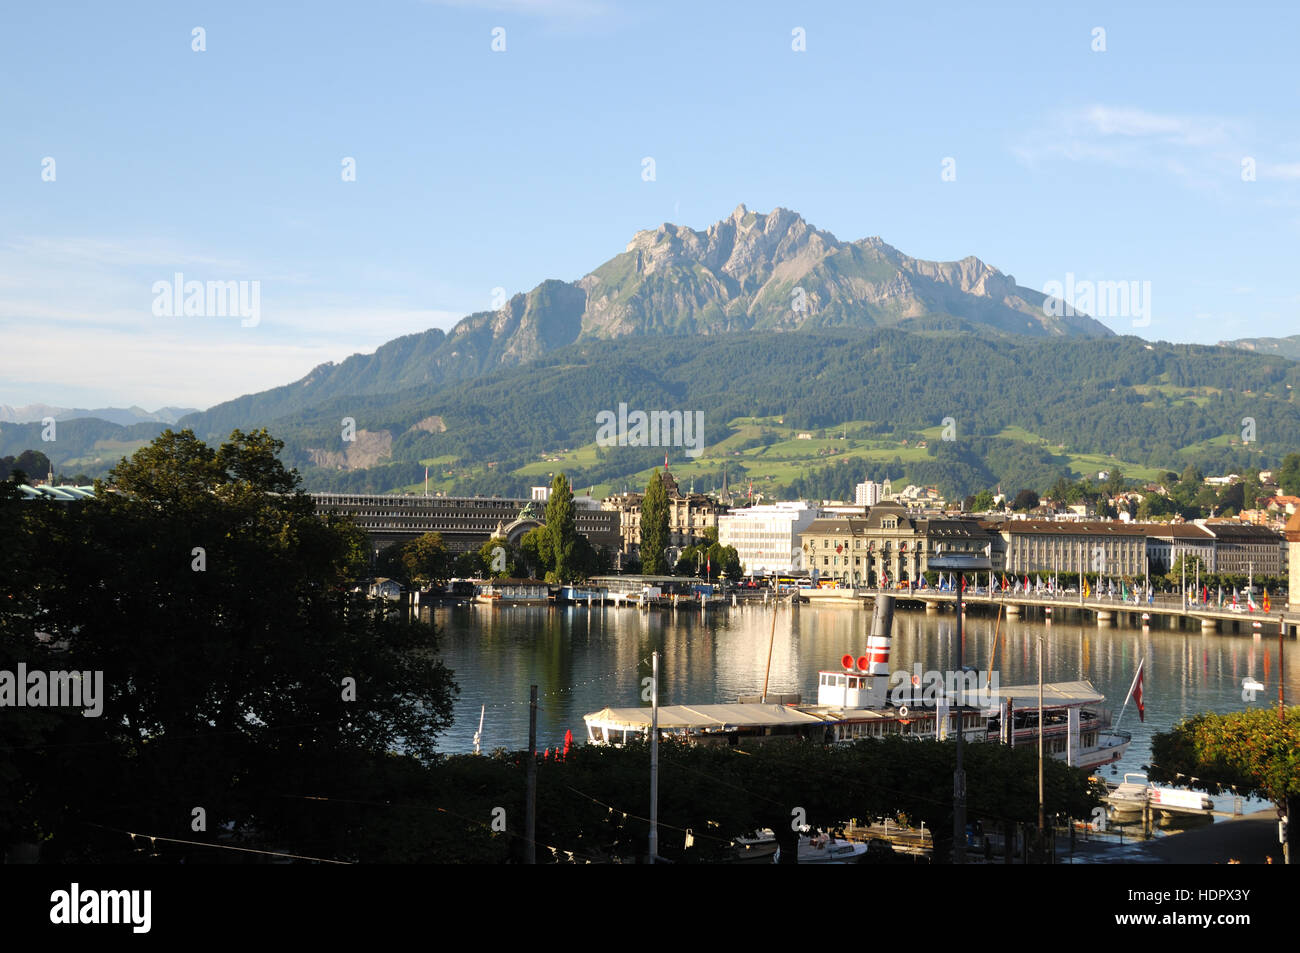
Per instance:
(583,660)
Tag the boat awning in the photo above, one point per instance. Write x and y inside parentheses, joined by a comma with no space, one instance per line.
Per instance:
(702,717)
(1055,694)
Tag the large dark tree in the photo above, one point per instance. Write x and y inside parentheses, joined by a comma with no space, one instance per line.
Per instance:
(654,527)
(561,531)
(236,668)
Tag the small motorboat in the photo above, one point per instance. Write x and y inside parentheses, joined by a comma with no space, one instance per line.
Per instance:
(826,849)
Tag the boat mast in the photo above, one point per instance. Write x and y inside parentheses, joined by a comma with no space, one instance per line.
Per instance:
(997,629)
(478,735)
(771,638)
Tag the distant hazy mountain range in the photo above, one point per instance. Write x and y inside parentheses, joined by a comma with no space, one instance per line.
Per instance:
(123,416)
(1288,347)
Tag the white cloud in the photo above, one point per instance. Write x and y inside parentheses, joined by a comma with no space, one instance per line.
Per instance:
(94,252)
(1200,151)
(1194,131)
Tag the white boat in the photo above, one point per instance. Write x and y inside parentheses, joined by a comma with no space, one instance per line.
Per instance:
(1129,796)
(758,848)
(761,848)
(859,702)
(1136,791)
(825,849)
(1076,729)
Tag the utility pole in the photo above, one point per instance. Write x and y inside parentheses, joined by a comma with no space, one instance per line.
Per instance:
(1041,820)
(654,757)
(1285,822)
(962,562)
(530,810)
(959,775)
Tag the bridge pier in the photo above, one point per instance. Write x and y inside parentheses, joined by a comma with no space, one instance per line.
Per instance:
(931,608)
(1105,617)
(1209,625)
(1013,611)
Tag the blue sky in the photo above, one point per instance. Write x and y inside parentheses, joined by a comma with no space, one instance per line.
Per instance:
(478,169)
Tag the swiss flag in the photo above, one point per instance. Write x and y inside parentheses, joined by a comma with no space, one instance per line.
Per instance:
(1137,692)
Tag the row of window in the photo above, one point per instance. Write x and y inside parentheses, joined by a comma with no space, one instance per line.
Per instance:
(857,544)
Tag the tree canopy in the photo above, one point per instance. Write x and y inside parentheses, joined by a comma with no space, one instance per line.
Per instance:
(1252,751)
(236,666)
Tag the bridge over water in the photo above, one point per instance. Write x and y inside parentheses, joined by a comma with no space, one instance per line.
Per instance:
(1163,611)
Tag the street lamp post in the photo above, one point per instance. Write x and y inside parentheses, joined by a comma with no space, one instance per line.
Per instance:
(963,563)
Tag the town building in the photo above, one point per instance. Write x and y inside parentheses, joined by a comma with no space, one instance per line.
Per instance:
(766,537)
(1169,542)
(1241,549)
(689,516)
(465,523)
(868,493)
(1293,558)
(1124,548)
(1044,546)
(887,546)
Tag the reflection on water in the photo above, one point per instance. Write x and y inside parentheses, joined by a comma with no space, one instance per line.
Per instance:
(585,659)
